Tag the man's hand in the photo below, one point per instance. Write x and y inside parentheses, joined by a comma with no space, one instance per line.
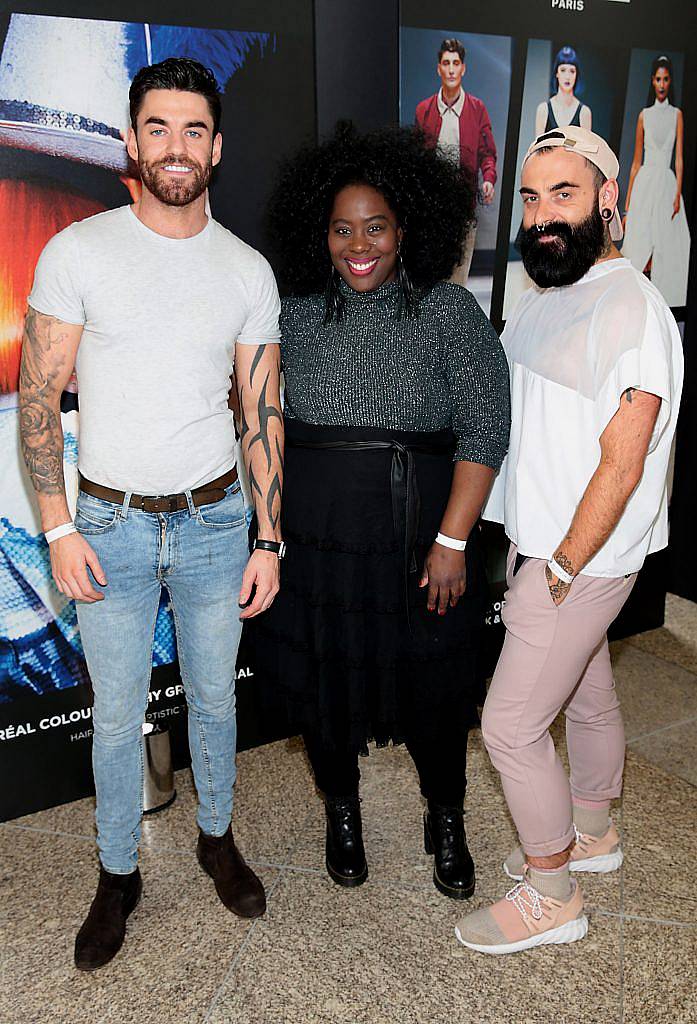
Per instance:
(70,557)
(558,589)
(263,570)
(445,576)
(488,192)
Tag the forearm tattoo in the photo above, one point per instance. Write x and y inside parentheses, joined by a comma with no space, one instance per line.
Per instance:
(39,395)
(266,480)
(629,394)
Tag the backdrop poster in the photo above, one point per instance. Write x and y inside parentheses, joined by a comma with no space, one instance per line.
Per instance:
(487,75)
(610,47)
(565,83)
(62,158)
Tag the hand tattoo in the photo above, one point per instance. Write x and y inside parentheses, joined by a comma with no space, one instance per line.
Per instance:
(39,422)
(559,589)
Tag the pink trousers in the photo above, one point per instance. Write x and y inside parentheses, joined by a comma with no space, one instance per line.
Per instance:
(555,657)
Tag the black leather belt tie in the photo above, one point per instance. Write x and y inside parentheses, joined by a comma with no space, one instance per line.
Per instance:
(406,503)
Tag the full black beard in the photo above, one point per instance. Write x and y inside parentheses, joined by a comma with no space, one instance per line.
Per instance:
(571,255)
(174,193)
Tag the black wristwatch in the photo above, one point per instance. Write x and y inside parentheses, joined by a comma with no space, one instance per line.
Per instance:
(278,547)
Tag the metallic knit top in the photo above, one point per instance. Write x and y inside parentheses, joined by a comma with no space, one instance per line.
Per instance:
(443,368)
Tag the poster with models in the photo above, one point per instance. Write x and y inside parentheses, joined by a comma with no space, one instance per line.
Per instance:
(566,83)
(63,122)
(652,161)
(455,86)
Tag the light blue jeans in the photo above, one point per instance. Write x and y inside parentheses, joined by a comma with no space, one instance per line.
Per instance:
(199,555)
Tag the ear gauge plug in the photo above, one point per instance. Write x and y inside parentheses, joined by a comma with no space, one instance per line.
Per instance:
(606,214)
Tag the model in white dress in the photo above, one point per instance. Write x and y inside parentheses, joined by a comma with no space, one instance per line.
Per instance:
(656,232)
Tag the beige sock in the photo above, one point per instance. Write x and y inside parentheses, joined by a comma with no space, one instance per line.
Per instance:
(555,883)
(593,821)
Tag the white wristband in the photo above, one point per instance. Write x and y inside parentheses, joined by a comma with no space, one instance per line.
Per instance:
(60,531)
(560,573)
(451,542)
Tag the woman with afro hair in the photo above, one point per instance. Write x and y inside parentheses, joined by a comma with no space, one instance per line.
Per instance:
(397,418)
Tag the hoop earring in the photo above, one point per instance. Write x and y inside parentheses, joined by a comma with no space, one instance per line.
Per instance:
(333,299)
(406,288)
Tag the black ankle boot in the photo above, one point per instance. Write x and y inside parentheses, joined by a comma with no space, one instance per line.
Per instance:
(104,928)
(237,886)
(444,836)
(345,861)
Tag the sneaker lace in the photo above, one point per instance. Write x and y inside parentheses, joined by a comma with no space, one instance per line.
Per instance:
(582,840)
(523,892)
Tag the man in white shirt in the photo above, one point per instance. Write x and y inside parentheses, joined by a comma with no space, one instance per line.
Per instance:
(154,303)
(596,376)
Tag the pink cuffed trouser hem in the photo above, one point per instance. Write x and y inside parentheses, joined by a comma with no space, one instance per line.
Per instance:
(554,658)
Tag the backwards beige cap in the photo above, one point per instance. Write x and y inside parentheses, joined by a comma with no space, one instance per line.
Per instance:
(593,148)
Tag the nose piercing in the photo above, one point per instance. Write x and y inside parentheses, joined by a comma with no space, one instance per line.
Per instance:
(541,227)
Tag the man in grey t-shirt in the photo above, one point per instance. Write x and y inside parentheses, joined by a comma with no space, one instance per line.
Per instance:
(155,304)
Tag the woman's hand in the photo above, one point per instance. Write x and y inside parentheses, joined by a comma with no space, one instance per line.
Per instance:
(445,576)
(676,205)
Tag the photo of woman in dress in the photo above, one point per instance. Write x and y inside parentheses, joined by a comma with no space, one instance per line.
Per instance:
(657,237)
(563,108)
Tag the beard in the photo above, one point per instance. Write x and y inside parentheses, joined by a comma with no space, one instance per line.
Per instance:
(171,191)
(570,256)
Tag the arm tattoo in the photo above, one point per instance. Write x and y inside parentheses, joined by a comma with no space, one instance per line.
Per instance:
(558,590)
(566,563)
(266,414)
(40,427)
(266,476)
(629,393)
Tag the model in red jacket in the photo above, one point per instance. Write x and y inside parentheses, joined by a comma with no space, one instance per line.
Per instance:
(477,146)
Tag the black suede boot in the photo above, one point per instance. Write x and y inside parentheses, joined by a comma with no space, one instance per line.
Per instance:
(237,886)
(444,837)
(104,928)
(345,859)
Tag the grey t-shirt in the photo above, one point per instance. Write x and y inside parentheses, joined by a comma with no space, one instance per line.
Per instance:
(161,319)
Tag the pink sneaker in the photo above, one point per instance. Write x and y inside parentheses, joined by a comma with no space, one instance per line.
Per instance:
(589,854)
(522,919)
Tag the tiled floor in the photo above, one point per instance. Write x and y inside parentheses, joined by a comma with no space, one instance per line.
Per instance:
(385,953)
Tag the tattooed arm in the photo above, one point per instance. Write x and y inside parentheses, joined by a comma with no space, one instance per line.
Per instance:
(49,347)
(257,375)
(623,447)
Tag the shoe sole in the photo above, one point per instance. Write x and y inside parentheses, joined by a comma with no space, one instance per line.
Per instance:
(347,881)
(454,894)
(601,865)
(572,931)
(97,967)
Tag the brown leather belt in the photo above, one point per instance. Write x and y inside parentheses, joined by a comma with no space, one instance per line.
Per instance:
(207,494)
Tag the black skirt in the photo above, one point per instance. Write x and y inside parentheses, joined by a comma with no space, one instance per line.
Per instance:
(338,640)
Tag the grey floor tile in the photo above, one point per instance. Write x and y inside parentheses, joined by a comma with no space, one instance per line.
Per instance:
(387,955)
(677,639)
(659,974)
(272,799)
(659,824)
(653,692)
(392,811)
(178,948)
(674,750)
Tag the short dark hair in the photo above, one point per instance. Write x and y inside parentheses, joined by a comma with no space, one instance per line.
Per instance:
(451,46)
(567,55)
(180,73)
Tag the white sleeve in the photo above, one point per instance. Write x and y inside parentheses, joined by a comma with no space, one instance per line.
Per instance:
(261,326)
(646,366)
(56,290)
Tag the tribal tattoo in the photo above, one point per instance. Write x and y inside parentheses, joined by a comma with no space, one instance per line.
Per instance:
(265,478)
(39,394)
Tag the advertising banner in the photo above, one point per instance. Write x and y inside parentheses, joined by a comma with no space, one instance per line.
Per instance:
(63,120)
